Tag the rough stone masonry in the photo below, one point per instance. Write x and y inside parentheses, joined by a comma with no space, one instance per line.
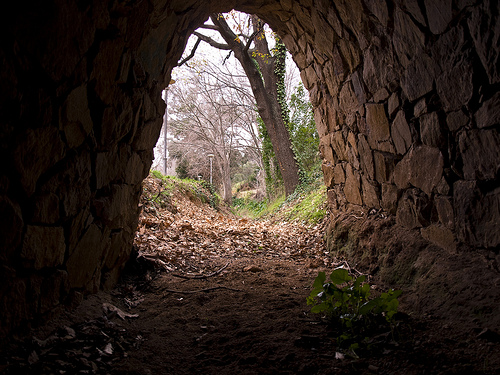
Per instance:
(406,102)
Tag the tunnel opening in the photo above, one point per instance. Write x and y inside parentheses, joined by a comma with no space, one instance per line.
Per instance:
(406,103)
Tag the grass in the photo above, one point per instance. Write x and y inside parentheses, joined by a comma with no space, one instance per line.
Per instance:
(201,190)
(307,205)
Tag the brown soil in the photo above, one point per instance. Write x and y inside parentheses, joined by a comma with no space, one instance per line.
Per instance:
(213,294)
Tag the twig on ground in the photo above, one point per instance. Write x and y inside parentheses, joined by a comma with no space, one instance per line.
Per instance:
(200,290)
(202,276)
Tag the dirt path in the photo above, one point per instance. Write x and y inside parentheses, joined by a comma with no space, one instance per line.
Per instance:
(214,294)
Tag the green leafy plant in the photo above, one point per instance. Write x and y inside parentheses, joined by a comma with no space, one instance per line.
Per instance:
(346,301)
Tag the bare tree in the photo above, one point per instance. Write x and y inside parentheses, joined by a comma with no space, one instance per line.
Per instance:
(214,116)
(260,67)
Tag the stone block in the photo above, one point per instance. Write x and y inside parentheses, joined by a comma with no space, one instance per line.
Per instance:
(456,120)
(366,157)
(105,68)
(418,78)
(43,247)
(430,130)
(389,199)
(338,174)
(420,107)
(75,117)
(11,227)
(46,208)
(36,151)
(480,150)
(440,236)
(489,113)
(477,214)
(444,208)
(352,187)
(325,149)
(401,134)
(408,40)
(339,146)
(422,167)
(484,26)
(384,166)
(370,193)
(393,104)
(379,10)
(85,262)
(359,87)
(328,174)
(381,95)
(414,209)
(439,15)
(347,99)
(455,85)
(147,135)
(378,127)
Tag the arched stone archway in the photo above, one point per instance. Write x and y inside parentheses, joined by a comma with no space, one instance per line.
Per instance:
(406,103)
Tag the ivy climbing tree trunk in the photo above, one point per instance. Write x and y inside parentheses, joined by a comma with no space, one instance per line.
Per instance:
(265,74)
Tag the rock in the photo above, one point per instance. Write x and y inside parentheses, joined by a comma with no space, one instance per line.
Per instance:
(338,174)
(36,151)
(366,157)
(480,150)
(477,214)
(378,127)
(84,264)
(384,166)
(484,27)
(370,194)
(352,186)
(75,118)
(444,208)
(489,113)
(455,85)
(393,104)
(439,15)
(389,199)
(328,174)
(414,209)
(420,107)
(401,134)
(418,78)
(339,146)
(43,246)
(456,120)
(11,227)
(430,130)
(46,208)
(408,39)
(422,167)
(325,149)
(440,236)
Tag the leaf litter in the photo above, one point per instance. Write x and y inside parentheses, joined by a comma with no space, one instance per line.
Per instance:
(209,292)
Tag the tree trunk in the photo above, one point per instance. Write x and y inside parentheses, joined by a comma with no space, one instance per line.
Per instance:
(265,92)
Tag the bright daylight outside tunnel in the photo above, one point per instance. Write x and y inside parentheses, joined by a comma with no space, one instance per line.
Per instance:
(111,267)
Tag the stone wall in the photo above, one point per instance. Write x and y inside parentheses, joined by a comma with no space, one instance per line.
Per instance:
(406,102)
(408,110)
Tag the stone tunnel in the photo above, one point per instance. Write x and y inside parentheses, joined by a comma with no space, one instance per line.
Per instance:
(405,96)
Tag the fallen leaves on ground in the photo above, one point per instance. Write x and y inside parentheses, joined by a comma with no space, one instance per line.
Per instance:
(186,234)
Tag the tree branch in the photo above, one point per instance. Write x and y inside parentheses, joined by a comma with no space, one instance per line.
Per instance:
(191,55)
(212,42)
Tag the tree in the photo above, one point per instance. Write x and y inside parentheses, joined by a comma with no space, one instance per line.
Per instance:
(263,71)
(210,117)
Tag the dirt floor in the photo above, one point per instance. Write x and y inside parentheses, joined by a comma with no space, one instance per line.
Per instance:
(209,293)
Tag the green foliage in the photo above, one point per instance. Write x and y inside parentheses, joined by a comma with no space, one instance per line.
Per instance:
(274,181)
(201,190)
(303,133)
(346,301)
